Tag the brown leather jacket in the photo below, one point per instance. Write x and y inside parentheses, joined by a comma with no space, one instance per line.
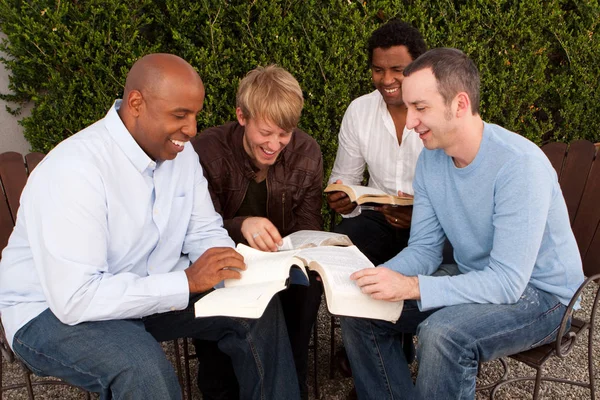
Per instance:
(294,182)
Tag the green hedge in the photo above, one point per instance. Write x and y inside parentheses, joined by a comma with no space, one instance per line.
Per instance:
(539,60)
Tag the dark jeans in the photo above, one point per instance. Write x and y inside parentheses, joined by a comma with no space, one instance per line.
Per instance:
(374,236)
(122,359)
(216,378)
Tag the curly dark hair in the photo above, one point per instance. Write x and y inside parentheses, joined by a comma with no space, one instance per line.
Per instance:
(397,33)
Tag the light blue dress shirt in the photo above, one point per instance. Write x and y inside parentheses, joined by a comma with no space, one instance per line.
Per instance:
(104,232)
(506,218)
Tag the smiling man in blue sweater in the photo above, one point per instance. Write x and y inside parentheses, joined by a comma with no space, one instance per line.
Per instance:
(496,197)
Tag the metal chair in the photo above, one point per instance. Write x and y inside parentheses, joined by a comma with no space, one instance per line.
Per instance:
(578,169)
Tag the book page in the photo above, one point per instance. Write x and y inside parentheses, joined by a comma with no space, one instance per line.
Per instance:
(306,239)
(366,191)
(263,266)
(364,194)
(354,191)
(387,199)
(343,296)
(338,263)
(248,301)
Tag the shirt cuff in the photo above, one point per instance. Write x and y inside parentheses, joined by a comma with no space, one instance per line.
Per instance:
(354,213)
(433,293)
(174,291)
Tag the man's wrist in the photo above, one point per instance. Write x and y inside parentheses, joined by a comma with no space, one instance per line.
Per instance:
(416,290)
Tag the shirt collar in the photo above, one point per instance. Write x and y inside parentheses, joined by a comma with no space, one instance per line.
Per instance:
(388,121)
(126,142)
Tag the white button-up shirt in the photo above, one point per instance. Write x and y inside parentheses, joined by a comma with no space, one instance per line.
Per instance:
(368,138)
(104,232)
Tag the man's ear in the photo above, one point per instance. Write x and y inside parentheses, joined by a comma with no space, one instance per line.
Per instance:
(135,102)
(240,116)
(463,104)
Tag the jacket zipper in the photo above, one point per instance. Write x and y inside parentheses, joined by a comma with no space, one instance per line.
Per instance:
(283,211)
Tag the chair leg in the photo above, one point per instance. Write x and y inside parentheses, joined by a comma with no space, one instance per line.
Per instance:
(28,384)
(186,366)
(591,362)
(332,347)
(1,372)
(178,364)
(538,381)
(315,358)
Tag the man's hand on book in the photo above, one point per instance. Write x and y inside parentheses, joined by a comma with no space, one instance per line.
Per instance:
(215,265)
(261,234)
(382,283)
(340,202)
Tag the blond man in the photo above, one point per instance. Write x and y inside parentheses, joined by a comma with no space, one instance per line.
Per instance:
(265,178)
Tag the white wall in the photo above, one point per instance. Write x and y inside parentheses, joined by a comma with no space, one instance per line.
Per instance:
(11,133)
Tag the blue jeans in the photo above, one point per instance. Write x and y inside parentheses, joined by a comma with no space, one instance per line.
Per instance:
(122,359)
(452,342)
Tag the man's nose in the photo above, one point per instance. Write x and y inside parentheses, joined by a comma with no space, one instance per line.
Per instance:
(273,142)
(411,120)
(190,128)
(388,77)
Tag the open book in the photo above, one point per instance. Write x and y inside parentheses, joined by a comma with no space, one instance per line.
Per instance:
(365,194)
(305,239)
(269,272)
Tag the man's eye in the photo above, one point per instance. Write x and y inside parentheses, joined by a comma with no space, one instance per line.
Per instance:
(419,108)
(179,116)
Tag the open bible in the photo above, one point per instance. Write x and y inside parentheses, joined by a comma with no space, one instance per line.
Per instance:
(365,194)
(269,272)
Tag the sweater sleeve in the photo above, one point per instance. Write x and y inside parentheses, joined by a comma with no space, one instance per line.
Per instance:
(423,254)
(522,197)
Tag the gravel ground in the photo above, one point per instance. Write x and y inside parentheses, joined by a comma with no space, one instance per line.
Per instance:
(338,387)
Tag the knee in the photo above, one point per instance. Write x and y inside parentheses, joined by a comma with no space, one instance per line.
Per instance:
(147,374)
(435,332)
(440,337)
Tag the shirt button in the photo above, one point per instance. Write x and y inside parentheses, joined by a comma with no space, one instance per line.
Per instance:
(172,308)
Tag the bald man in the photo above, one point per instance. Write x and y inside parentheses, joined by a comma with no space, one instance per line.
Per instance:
(116,238)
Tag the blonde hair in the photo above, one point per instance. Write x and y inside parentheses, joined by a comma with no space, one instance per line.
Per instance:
(273,94)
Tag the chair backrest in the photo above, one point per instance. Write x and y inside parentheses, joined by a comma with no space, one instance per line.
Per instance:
(13,175)
(578,169)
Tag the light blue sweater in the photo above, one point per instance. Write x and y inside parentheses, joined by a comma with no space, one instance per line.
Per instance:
(506,218)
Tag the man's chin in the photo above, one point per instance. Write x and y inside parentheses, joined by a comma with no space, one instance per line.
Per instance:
(167,156)
(393,102)
(267,162)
